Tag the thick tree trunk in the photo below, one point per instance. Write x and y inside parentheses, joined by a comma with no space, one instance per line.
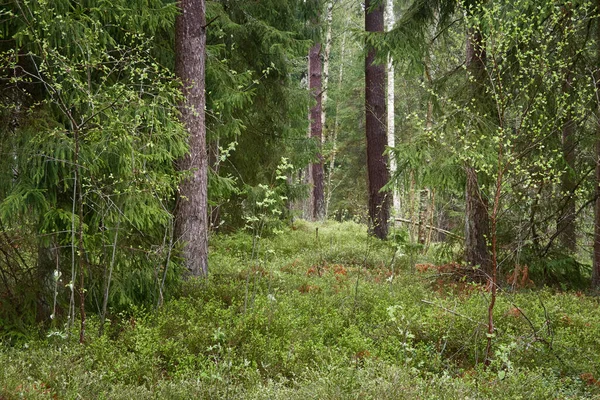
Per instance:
(596,260)
(566,221)
(191,226)
(476,206)
(316,130)
(379,201)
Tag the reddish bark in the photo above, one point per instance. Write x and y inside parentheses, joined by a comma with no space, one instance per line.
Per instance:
(476,207)
(191,226)
(376,132)
(316,130)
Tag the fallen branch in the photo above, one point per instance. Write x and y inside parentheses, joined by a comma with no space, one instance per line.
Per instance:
(435,228)
(453,312)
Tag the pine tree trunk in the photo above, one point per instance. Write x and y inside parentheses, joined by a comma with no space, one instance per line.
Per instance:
(192,207)
(476,206)
(379,201)
(316,130)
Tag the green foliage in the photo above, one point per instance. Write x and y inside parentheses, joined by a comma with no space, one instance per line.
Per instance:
(324,319)
(255,100)
(100,106)
(507,123)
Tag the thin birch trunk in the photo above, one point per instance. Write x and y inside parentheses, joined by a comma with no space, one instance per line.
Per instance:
(325,89)
(391,126)
(336,124)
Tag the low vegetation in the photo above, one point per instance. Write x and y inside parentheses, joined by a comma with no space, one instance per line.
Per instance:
(324,312)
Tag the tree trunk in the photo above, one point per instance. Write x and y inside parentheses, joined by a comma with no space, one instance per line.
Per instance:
(477,223)
(476,206)
(423,215)
(214,162)
(326,55)
(316,130)
(336,124)
(391,126)
(566,220)
(379,201)
(192,214)
(596,260)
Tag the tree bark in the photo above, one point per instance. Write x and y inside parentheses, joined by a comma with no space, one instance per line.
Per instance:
(191,226)
(596,260)
(423,215)
(391,97)
(476,206)
(326,55)
(336,123)
(379,201)
(566,221)
(316,130)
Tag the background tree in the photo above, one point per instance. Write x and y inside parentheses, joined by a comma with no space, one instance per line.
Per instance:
(596,246)
(316,130)
(476,204)
(379,199)
(391,101)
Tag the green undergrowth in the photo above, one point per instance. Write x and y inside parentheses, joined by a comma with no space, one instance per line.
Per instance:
(331,314)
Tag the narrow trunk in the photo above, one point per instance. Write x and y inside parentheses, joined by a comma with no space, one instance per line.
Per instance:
(391,126)
(109,279)
(326,55)
(379,201)
(596,260)
(336,124)
(316,130)
(476,205)
(80,248)
(192,217)
(566,221)
(412,201)
(476,225)
(423,214)
(431,217)
(214,162)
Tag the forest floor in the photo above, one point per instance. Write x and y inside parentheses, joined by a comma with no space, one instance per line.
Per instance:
(333,315)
